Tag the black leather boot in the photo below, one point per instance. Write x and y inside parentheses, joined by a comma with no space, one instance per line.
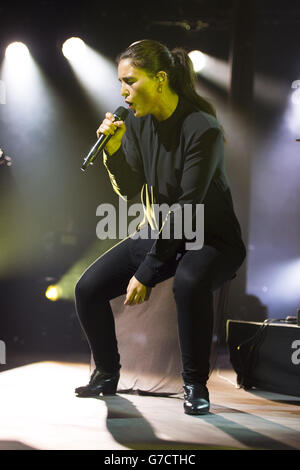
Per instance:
(196,399)
(100,382)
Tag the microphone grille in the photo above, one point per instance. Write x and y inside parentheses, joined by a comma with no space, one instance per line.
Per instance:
(121,113)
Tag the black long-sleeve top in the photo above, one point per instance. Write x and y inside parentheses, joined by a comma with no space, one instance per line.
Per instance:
(179,160)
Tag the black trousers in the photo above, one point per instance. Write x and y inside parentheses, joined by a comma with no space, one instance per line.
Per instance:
(197,273)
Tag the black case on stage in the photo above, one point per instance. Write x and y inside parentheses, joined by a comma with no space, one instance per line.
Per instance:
(265,355)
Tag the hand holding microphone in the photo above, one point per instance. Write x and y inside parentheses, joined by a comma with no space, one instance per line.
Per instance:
(109,133)
(108,127)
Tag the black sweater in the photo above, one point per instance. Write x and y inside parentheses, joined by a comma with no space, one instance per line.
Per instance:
(179,160)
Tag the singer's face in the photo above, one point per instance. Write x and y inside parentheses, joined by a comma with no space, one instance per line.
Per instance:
(138,88)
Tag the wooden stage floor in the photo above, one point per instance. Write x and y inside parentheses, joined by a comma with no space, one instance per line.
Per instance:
(38,410)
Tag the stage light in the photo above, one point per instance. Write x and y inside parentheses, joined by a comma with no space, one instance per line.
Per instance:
(296,97)
(198,59)
(292,113)
(67,283)
(17,51)
(96,74)
(74,48)
(18,72)
(53,293)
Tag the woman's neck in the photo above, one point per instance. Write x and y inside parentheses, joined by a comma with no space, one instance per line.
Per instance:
(166,105)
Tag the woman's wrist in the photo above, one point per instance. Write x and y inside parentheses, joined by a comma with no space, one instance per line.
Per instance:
(111,149)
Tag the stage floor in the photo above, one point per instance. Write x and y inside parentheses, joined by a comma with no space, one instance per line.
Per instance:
(40,411)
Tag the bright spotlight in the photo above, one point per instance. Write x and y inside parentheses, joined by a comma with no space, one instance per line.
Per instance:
(296,97)
(292,115)
(53,293)
(17,51)
(198,59)
(73,48)
(96,74)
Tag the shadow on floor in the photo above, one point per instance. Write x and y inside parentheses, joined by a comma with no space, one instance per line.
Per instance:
(14,445)
(245,433)
(276,397)
(130,429)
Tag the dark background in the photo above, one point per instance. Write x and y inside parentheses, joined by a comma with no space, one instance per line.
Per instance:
(48,205)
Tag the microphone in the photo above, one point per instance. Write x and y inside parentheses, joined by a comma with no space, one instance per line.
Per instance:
(120,114)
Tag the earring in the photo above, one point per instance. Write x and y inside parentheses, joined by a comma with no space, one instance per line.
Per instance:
(159,89)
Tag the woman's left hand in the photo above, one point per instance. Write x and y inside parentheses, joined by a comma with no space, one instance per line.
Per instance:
(136,292)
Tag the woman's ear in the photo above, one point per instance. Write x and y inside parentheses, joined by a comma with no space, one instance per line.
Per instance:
(161,76)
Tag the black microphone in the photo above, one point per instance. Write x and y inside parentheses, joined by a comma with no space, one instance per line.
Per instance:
(120,114)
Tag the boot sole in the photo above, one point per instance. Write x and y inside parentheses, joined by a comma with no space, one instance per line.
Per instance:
(106,389)
(202,411)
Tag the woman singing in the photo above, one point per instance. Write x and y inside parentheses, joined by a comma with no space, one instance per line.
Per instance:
(170,147)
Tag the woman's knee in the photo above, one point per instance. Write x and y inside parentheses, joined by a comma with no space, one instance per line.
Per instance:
(88,286)
(189,284)
(82,288)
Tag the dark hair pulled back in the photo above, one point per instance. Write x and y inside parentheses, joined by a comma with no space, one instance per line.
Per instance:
(153,56)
